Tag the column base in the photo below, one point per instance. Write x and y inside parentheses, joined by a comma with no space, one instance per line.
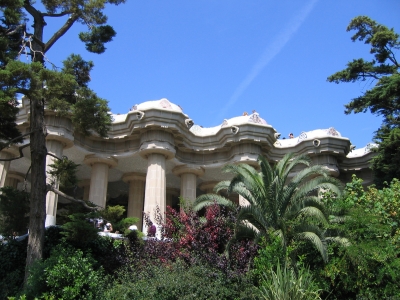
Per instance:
(50,221)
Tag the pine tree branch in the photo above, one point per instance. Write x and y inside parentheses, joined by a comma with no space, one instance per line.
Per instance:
(68,24)
(50,188)
(56,15)
(392,57)
(13,30)
(3,146)
(31,10)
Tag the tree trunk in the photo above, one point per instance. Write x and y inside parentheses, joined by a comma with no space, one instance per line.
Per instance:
(38,159)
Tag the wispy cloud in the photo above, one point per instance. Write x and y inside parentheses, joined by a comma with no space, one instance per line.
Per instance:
(270,52)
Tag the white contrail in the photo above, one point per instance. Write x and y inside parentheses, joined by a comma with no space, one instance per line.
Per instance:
(270,52)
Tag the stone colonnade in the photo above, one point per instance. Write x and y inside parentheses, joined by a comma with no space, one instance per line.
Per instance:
(147,190)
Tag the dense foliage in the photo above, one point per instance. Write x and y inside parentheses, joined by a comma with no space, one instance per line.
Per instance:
(177,280)
(197,257)
(197,239)
(14,208)
(370,266)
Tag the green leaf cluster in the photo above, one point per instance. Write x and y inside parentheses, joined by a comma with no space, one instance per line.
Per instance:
(60,92)
(64,171)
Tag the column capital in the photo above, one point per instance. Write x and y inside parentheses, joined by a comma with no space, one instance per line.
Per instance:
(191,169)
(16,175)
(11,150)
(92,159)
(59,137)
(157,141)
(157,147)
(207,186)
(133,176)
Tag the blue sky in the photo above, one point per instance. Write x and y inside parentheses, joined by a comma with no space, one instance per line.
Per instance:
(219,58)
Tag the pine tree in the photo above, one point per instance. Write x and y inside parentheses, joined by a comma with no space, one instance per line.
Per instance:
(384,98)
(65,91)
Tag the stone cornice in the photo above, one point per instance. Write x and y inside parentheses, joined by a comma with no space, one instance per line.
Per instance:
(357,163)
(133,133)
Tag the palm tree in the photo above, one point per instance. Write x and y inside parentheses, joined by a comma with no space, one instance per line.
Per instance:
(282,198)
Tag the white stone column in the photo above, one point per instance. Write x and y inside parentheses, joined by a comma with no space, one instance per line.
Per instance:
(99,177)
(188,174)
(14,179)
(157,146)
(85,185)
(4,167)
(136,195)
(155,194)
(54,147)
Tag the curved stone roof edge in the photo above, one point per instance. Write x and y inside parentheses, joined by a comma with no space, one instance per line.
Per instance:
(362,151)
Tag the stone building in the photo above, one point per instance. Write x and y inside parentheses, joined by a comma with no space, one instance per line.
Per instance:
(155,154)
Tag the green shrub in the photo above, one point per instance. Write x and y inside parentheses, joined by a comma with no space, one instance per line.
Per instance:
(12,262)
(79,232)
(268,256)
(370,266)
(179,281)
(123,225)
(66,274)
(113,214)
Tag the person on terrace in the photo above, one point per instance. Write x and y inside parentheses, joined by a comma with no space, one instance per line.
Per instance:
(151,230)
(108,228)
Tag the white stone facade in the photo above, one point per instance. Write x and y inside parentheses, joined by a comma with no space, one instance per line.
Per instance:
(156,153)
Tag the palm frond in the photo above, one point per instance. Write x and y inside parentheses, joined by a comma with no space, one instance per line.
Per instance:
(221,186)
(245,231)
(317,239)
(313,213)
(252,215)
(211,199)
